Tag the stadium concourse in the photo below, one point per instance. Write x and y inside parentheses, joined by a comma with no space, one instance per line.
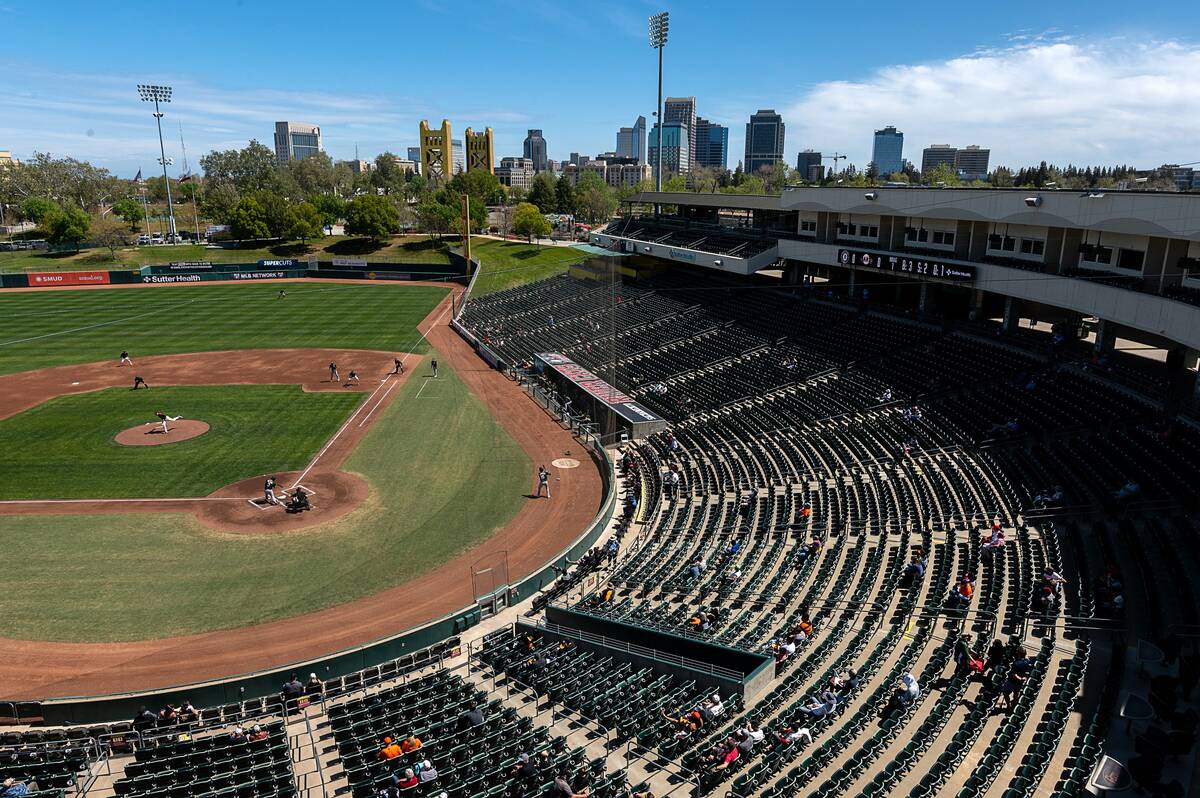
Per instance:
(964,561)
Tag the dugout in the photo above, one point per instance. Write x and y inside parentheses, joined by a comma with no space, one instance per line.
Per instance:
(614,412)
(707,663)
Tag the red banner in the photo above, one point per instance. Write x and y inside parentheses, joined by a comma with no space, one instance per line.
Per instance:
(68,278)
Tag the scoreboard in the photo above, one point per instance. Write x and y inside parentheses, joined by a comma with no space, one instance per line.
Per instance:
(915,266)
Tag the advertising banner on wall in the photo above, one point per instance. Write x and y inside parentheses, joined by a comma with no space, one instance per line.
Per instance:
(68,278)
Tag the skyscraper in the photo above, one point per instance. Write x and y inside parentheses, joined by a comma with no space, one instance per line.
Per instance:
(764,140)
(631,141)
(971,162)
(535,150)
(888,152)
(808,164)
(712,144)
(935,155)
(675,147)
(683,111)
(414,154)
(296,140)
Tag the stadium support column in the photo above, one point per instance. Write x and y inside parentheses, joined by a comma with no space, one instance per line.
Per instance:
(1182,384)
(850,285)
(922,298)
(1012,317)
(1105,338)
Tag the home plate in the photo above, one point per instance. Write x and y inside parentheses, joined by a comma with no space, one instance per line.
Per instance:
(565,462)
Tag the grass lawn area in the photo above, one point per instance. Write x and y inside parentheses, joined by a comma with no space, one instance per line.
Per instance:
(64,448)
(505,264)
(405,249)
(444,477)
(39,329)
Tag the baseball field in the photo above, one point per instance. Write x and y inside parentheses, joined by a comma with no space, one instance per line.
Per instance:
(114,551)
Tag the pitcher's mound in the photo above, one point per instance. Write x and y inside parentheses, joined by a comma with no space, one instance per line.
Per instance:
(151,434)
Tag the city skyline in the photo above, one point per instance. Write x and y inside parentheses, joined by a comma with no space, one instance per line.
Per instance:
(1046,69)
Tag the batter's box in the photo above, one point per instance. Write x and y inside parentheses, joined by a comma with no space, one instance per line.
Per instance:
(261,504)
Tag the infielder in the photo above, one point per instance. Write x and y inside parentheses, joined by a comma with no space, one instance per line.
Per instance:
(353,377)
(125,361)
(164,418)
(269,491)
(399,366)
(137,380)
(543,481)
(333,373)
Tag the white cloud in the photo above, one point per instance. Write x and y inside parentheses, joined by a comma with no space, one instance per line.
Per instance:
(1043,97)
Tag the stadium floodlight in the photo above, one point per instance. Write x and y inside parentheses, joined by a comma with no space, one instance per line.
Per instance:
(658,40)
(161,94)
(1033,202)
(871,195)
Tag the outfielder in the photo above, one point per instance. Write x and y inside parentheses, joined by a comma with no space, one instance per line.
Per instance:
(164,418)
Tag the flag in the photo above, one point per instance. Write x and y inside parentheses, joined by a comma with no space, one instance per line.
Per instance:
(138,177)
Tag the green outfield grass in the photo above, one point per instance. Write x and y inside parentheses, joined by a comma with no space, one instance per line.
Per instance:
(444,476)
(53,328)
(64,448)
(504,264)
(398,249)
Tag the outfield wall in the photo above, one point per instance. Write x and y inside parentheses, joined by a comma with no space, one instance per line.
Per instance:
(457,270)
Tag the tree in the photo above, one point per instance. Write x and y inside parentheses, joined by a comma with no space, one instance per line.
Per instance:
(594,200)
(481,186)
(564,196)
(372,216)
(112,234)
(943,173)
(675,183)
(275,210)
(130,210)
(38,209)
(248,220)
(219,201)
(68,224)
(251,168)
(773,176)
(388,175)
(528,221)
(541,193)
(330,206)
(436,217)
(706,179)
(303,222)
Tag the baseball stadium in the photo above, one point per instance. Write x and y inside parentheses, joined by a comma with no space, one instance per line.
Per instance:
(749,495)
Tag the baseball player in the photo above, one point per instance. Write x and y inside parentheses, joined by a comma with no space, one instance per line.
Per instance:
(164,419)
(125,361)
(434,364)
(352,378)
(543,481)
(137,380)
(282,294)
(269,491)
(333,373)
(399,369)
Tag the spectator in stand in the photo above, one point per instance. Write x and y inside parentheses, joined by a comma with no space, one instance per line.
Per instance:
(562,787)
(611,550)
(12,788)
(789,736)
(144,719)
(749,736)
(960,596)
(994,541)
(1011,686)
(917,563)
(292,689)
(168,715)
(804,630)
(996,654)
(1048,497)
(732,575)
(407,780)
(257,733)
(734,547)
(908,690)
(237,735)
(962,653)
(806,511)
(471,718)
(524,769)
(821,708)
(410,743)
(389,750)
(188,713)
(685,724)
(732,754)
(314,686)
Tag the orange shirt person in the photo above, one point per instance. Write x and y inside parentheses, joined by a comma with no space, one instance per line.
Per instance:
(410,744)
(390,750)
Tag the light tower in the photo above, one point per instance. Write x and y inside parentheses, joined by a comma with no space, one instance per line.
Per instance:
(658,40)
(157,94)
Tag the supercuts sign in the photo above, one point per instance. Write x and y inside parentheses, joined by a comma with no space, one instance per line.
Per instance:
(914,266)
(619,401)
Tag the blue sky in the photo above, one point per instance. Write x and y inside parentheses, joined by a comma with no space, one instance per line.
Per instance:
(1087,82)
